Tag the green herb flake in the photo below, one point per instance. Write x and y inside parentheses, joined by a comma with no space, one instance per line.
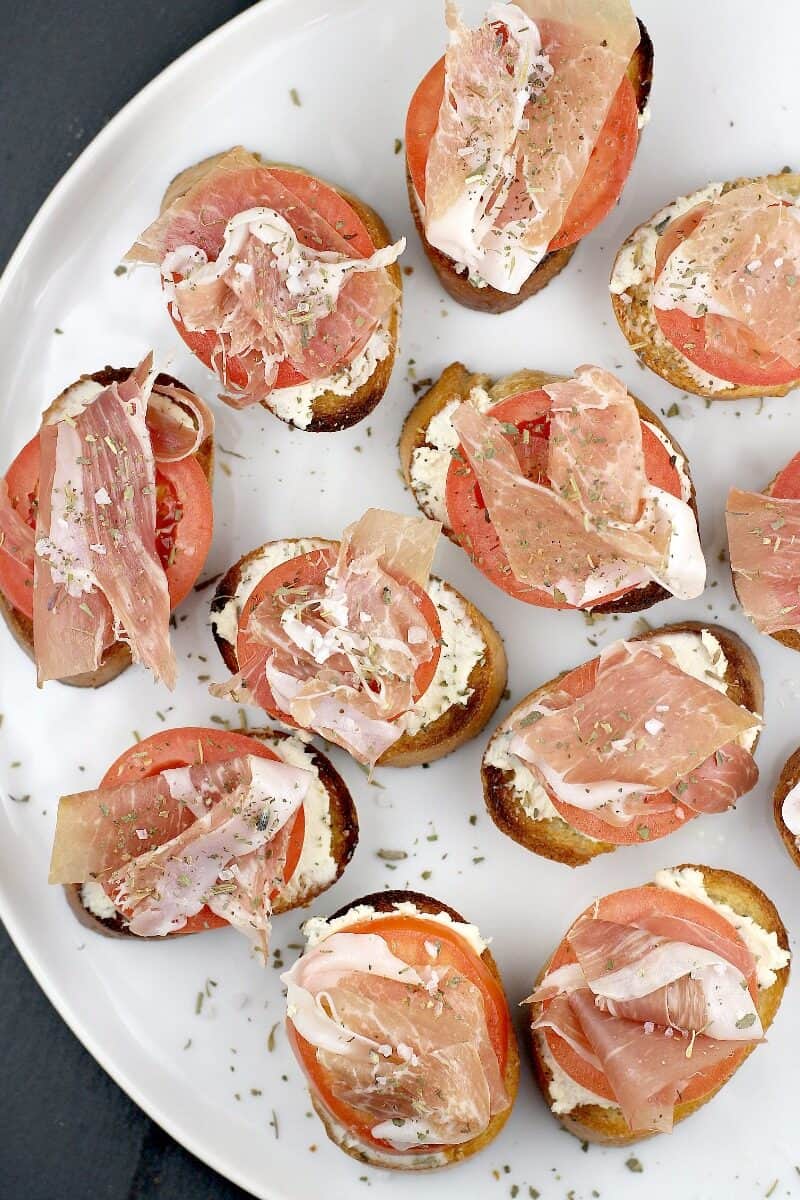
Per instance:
(295,98)
(633,1164)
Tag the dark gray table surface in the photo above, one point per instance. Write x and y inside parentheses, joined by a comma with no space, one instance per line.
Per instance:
(67,1131)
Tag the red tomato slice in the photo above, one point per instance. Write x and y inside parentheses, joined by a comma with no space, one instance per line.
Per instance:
(529,412)
(406,937)
(309,571)
(629,906)
(734,353)
(787,483)
(333,207)
(184,524)
(606,173)
(184,747)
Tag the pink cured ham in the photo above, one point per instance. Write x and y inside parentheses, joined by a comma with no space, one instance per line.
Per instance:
(408,1045)
(716,784)
(647,1069)
(245,258)
(168,845)
(764,546)
(178,423)
(650,1009)
(95,538)
(495,199)
(341,658)
(643,728)
(16,536)
(742,262)
(601,527)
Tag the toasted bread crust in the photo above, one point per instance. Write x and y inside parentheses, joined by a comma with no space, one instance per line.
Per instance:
(118,656)
(633,318)
(384,902)
(330,412)
(489,299)
(554,838)
(344,839)
(456,382)
(788,778)
(457,725)
(596,1123)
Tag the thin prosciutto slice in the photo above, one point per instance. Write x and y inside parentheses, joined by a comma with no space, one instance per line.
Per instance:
(645,727)
(512,152)
(166,846)
(246,258)
(764,546)
(600,526)
(742,261)
(649,1011)
(408,1045)
(98,576)
(342,658)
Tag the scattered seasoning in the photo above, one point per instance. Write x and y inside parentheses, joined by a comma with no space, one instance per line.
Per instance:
(392,855)
(673,410)
(425,874)
(57,330)
(643,832)
(233,453)
(188,1043)
(295,96)
(744,1023)
(120,270)
(198,1004)
(19,799)
(274,1123)
(223,466)
(271,1037)
(398,145)
(633,1164)
(771,1189)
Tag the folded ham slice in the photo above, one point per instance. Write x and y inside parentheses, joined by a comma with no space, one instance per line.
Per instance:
(649,1011)
(764,546)
(96,551)
(526,96)
(244,257)
(341,656)
(166,846)
(644,728)
(408,1045)
(600,526)
(742,261)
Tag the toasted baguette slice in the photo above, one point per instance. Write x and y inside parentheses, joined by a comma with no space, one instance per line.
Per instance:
(343,840)
(456,725)
(330,411)
(597,1123)
(631,291)
(385,902)
(789,778)
(454,385)
(118,656)
(556,839)
(489,299)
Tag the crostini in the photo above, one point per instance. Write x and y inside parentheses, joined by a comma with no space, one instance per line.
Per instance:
(653,1001)
(629,746)
(193,829)
(786,806)
(414,668)
(706,290)
(764,554)
(520,139)
(565,493)
(285,286)
(397,1015)
(105,524)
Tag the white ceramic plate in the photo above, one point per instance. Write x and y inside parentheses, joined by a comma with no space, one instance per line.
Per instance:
(725,103)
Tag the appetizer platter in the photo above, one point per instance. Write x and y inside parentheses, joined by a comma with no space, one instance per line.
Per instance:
(362,698)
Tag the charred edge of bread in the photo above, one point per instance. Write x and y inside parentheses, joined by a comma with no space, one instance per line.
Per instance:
(595,1123)
(457,382)
(385,902)
(663,358)
(118,656)
(556,839)
(331,413)
(492,300)
(344,839)
(789,776)
(457,725)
